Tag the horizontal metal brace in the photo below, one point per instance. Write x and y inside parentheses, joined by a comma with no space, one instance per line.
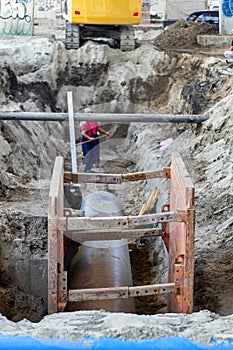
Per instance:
(119,292)
(109,234)
(73,212)
(120,222)
(141,291)
(115,178)
(108,117)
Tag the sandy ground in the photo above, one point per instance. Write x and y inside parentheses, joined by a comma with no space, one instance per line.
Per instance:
(200,327)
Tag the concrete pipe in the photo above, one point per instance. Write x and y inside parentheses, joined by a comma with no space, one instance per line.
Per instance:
(101,264)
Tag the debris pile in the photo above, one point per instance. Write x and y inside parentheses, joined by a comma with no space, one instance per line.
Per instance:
(183,34)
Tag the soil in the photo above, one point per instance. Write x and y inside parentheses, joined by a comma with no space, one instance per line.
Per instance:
(183,35)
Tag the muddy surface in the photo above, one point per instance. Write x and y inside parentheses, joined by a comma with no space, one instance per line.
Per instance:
(145,81)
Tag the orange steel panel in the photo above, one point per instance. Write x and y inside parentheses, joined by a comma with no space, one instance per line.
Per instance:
(52,268)
(62,291)
(55,237)
(181,239)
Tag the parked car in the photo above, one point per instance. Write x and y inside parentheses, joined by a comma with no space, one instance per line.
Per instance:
(213,5)
(206,16)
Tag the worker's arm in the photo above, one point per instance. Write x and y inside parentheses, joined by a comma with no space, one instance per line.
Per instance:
(102,131)
(87,136)
(231,47)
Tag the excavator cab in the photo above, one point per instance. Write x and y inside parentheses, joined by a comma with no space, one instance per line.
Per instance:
(109,21)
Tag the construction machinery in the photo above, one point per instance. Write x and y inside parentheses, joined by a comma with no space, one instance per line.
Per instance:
(109,21)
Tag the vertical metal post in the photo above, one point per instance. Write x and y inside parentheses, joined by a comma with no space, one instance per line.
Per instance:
(72,132)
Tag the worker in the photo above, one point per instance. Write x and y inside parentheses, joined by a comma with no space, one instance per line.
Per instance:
(90,143)
(229,53)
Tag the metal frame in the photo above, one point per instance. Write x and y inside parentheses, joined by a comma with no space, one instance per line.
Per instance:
(177,231)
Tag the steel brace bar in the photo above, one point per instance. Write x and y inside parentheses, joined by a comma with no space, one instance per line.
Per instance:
(109,117)
(119,292)
(115,178)
(118,222)
(109,234)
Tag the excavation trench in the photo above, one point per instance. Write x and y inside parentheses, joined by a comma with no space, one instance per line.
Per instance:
(123,263)
(102,264)
(150,81)
(178,237)
(24,243)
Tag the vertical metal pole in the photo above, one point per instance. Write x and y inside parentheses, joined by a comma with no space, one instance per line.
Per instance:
(72,132)
(221,29)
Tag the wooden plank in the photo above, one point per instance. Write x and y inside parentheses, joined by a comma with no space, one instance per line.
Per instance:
(56,189)
(143,209)
(57,170)
(147,207)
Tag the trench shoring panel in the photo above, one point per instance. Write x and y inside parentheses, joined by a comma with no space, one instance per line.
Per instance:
(181,238)
(179,232)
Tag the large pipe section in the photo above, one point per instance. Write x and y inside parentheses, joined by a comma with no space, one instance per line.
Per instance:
(101,264)
(113,118)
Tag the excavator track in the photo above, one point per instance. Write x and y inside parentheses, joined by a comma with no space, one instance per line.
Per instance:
(72,34)
(125,36)
(127,41)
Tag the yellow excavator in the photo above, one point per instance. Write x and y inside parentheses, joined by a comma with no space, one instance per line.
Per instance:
(109,21)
